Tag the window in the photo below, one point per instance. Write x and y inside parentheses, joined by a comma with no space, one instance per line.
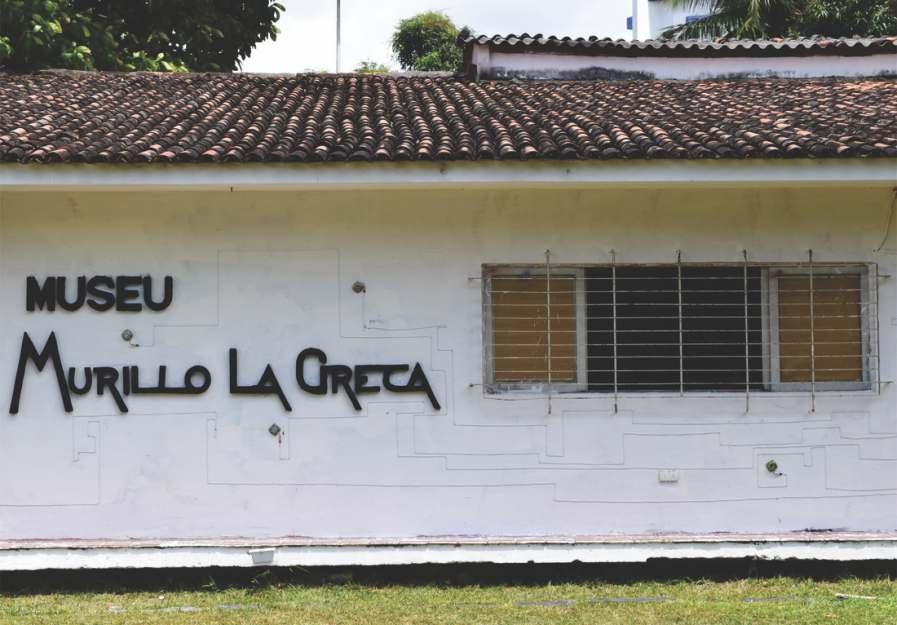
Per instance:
(679,328)
(820,334)
(528,348)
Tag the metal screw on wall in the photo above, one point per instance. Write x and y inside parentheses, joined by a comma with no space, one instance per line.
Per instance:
(127,335)
(359,287)
(274,430)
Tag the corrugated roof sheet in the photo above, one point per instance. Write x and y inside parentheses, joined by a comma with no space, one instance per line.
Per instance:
(846,46)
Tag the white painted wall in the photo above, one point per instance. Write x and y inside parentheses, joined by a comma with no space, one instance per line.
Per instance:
(541,65)
(641,20)
(270,272)
(663,14)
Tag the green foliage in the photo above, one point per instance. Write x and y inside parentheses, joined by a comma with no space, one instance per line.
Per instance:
(153,35)
(847,18)
(758,19)
(371,67)
(427,42)
(739,19)
(41,31)
(755,601)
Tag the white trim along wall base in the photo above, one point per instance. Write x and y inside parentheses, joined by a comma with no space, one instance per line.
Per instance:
(445,550)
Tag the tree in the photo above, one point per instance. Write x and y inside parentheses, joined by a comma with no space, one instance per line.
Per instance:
(847,18)
(740,19)
(427,42)
(157,35)
(371,67)
(757,19)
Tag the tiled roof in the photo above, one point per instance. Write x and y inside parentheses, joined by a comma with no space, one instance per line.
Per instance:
(844,46)
(142,117)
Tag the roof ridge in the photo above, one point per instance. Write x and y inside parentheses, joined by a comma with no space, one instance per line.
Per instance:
(89,73)
(444,76)
(813,44)
(469,35)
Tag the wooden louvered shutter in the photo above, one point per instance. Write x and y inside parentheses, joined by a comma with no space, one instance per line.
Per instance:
(520,328)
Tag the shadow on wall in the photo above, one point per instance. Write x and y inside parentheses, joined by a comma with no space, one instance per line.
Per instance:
(660,569)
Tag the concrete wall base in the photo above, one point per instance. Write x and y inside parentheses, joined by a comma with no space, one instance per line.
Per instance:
(30,555)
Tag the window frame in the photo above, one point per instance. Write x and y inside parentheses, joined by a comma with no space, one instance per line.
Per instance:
(772,349)
(519,270)
(769,329)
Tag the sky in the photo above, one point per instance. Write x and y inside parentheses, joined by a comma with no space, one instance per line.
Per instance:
(307,40)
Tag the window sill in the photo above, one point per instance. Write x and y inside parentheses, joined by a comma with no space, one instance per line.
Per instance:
(581,395)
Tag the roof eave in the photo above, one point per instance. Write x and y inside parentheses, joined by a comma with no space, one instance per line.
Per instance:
(528,174)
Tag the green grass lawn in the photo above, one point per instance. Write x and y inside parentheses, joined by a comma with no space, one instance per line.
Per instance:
(779,601)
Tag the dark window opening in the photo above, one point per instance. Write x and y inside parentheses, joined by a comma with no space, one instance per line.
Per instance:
(654,315)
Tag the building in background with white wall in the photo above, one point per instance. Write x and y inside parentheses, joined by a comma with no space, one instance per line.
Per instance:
(651,17)
(540,57)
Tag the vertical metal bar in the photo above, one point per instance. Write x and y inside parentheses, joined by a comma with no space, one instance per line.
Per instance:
(872,313)
(764,312)
(681,348)
(613,288)
(812,338)
(747,336)
(548,319)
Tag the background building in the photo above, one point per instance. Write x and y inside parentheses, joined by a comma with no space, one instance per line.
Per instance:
(651,17)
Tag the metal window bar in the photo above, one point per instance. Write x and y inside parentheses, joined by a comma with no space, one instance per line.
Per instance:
(875,331)
(613,257)
(548,319)
(812,337)
(679,312)
(747,338)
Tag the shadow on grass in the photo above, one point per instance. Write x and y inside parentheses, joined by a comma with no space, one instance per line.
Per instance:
(216,578)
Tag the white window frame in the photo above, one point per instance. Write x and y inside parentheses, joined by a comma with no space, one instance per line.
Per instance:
(772,350)
(512,271)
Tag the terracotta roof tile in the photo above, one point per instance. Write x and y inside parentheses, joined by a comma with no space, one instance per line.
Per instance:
(54,117)
(811,46)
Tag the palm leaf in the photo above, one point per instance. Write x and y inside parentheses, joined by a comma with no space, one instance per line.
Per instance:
(733,18)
